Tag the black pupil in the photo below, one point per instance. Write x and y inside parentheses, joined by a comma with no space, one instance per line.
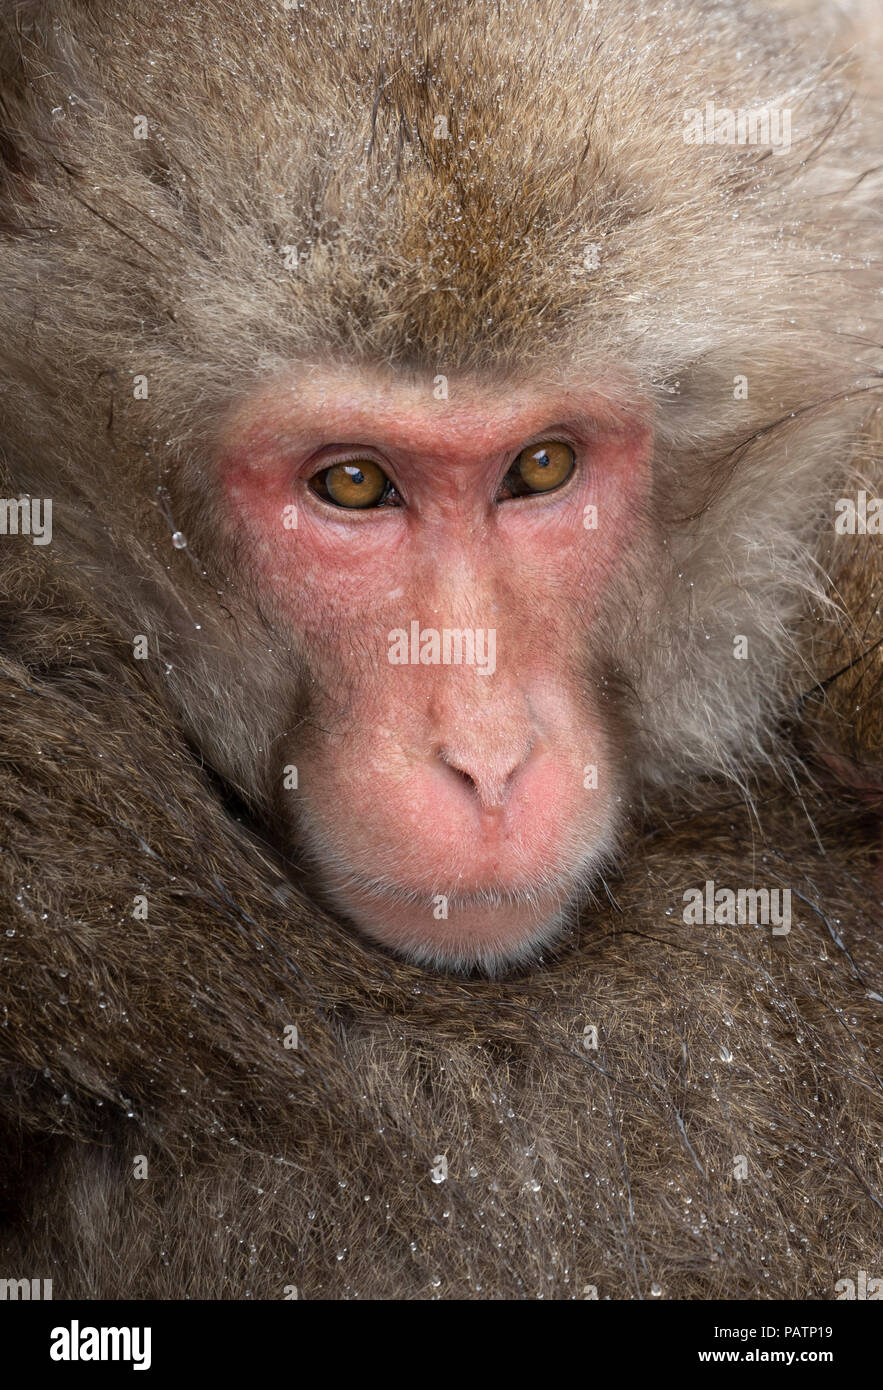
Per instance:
(542,458)
(356,475)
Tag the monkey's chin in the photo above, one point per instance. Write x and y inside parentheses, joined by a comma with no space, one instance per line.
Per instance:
(491,931)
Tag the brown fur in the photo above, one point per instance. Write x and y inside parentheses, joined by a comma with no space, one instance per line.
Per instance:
(568,1167)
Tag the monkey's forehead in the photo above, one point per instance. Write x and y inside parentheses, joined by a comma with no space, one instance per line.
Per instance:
(446,187)
(476,413)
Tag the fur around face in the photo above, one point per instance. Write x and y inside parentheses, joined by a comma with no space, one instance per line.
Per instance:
(721,1049)
(567,1166)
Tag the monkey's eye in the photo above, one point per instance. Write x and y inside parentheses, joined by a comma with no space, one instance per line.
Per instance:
(539,468)
(356,485)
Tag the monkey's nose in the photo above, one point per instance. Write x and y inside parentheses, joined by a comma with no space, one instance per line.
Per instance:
(488,777)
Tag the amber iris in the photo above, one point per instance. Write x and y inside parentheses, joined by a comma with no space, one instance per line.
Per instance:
(542,467)
(357,484)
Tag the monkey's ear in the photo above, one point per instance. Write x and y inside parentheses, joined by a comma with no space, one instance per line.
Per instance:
(843,715)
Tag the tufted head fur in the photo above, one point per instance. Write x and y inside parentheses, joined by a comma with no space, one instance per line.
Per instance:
(317,128)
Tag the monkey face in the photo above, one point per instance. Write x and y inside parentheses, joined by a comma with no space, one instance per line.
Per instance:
(440,554)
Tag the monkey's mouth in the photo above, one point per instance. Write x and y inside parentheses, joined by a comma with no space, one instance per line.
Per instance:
(453,900)
(491,928)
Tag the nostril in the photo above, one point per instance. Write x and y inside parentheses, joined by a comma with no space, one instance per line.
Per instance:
(464,776)
(466,779)
(487,779)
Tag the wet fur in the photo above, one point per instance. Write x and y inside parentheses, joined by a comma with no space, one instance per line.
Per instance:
(567,1167)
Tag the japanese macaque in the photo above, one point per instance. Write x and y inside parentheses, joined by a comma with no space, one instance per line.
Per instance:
(445,413)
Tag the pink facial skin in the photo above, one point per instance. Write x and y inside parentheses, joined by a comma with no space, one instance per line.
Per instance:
(445,807)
